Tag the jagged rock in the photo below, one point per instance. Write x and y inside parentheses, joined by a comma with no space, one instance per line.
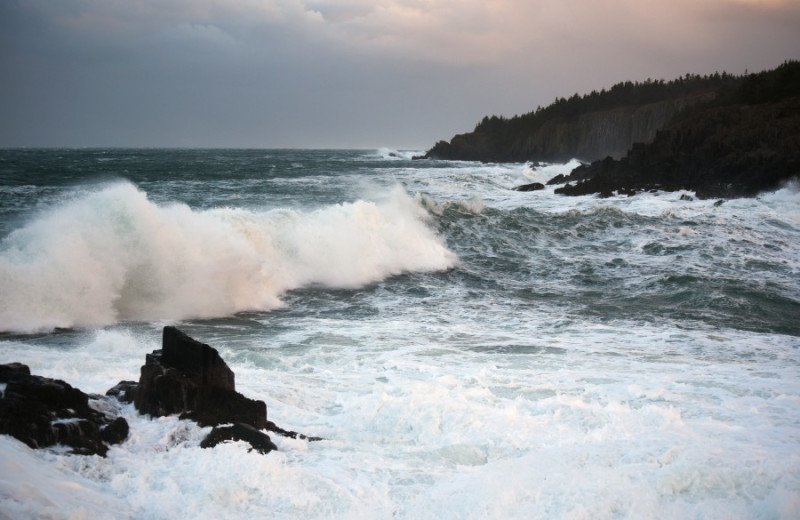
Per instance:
(558,179)
(43,412)
(190,378)
(534,186)
(239,432)
(197,359)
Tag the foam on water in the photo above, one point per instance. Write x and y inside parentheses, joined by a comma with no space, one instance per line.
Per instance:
(114,255)
(629,357)
(544,172)
(580,422)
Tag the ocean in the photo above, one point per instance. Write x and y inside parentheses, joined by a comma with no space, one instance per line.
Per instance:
(465,350)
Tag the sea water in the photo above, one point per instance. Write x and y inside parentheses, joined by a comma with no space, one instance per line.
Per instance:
(465,350)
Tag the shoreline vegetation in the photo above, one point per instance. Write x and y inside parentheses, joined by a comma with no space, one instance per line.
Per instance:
(719,135)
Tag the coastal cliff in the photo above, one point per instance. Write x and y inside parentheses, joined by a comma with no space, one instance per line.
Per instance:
(718,135)
(746,142)
(588,127)
(586,136)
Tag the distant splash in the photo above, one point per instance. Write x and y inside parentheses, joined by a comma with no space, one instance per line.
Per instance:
(545,172)
(397,155)
(113,255)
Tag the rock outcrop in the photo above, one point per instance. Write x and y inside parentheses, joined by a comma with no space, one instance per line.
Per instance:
(185,377)
(239,432)
(189,378)
(44,412)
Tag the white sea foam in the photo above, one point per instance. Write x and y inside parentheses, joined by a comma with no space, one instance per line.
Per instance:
(594,425)
(115,255)
(448,399)
(545,172)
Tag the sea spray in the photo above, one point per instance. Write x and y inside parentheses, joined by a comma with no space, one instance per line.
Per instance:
(114,255)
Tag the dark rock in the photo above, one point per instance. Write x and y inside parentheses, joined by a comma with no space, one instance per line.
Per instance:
(124,391)
(687,198)
(190,378)
(197,360)
(43,412)
(272,427)
(239,432)
(719,203)
(116,431)
(220,407)
(558,179)
(12,370)
(534,186)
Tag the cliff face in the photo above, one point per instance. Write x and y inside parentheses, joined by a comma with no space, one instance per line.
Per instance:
(597,135)
(585,136)
(731,151)
(746,142)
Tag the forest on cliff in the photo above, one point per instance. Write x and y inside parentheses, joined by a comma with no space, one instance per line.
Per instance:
(718,135)
(608,122)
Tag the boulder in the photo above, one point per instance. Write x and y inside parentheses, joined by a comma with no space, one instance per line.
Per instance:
(190,378)
(43,412)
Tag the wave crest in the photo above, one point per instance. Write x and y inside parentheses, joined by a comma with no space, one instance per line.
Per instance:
(114,255)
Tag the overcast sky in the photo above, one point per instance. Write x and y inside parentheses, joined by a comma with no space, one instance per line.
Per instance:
(346,73)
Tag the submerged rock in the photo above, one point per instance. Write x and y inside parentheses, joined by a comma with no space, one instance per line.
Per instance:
(534,186)
(43,412)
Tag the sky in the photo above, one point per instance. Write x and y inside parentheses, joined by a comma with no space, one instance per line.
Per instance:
(346,73)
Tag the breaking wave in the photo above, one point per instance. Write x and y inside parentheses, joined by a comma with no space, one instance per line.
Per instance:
(114,255)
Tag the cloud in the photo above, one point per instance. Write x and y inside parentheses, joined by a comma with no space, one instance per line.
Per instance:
(341,72)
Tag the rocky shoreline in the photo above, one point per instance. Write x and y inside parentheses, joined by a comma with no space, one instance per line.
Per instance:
(740,138)
(185,378)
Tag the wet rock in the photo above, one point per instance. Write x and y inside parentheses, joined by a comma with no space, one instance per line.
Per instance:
(239,432)
(43,412)
(190,378)
(124,391)
(534,186)
(116,431)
